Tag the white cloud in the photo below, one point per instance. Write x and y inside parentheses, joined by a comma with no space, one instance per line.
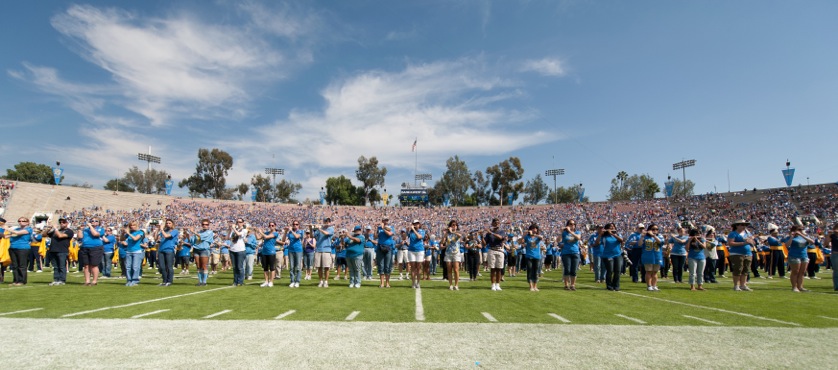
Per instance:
(546,67)
(164,67)
(455,107)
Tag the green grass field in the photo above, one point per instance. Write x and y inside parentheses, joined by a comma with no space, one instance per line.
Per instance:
(771,304)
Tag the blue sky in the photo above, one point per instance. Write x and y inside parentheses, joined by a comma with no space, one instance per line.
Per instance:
(593,87)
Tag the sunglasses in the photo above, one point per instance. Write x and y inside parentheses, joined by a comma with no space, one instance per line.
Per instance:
(204,224)
(22,220)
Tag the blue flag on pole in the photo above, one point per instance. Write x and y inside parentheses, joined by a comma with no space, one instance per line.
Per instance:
(669,186)
(169,184)
(581,193)
(788,174)
(56,173)
(253,192)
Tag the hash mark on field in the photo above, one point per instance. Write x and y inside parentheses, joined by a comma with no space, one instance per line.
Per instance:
(148,314)
(21,311)
(217,314)
(831,318)
(630,318)
(280,317)
(715,309)
(420,310)
(353,315)
(143,302)
(557,317)
(700,319)
(489,317)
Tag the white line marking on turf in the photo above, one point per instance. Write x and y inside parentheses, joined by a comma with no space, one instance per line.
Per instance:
(21,311)
(353,315)
(148,314)
(630,318)
(142,302)
(217,314)
(280,317)
(700,319)
(489,317)
(420,310)
(557,317)
(714,309)
(825,317)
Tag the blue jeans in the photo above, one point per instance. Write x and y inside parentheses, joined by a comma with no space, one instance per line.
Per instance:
(355,264)
(106,265)
(596,263)
(384,259)
(308,260)
(369,257)
(294,261)
(532,269)
(570,263)
(238,261)
(434,262)
(134,264)
(59,266)
(834,258)
(166,261)
(612,271)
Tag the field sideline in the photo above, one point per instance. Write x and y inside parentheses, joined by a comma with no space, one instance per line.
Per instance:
(372,327)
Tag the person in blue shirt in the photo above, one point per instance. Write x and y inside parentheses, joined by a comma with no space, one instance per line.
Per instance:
(167,235)
(415,251)
(635,252)
(109,241)
(678,253)
(739,242)
(91,251)
(201,245)
(294,238)
(452,240)
(134,252)
(532,252)
(19,238)
(570,254)
(354,255)
(696,259)
(776,256)
(340,256)
(250,246)
(652,256)
(184,251)
(495,239)
(812,251)
(798,258)
(268,253)
(384,252)
(596,255)
(323,251)
(612,255)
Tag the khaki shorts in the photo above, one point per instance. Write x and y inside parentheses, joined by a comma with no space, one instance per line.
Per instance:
(225,258)
(739,264)
(495,259)
(401,256)
(323,260)
(215,258)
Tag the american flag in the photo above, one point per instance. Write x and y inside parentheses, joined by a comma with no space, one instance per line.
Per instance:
(413,148)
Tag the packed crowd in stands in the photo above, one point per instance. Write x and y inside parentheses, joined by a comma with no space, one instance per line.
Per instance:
(813,208)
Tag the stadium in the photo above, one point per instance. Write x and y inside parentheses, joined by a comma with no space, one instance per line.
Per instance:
(248,325)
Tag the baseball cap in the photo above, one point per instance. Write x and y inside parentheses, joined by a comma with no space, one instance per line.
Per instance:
(641,226)
(416,221)
(2,220)
(357,228)
(368,227)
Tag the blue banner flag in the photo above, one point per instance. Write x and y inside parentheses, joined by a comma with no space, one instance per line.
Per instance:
(253,193)
(509,199)
(446,200)
(788,174)
(56,173)
(169,184)
(581,192)
(323,198)
(669,186)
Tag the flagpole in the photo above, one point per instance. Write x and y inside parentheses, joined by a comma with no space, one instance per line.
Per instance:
(415,163)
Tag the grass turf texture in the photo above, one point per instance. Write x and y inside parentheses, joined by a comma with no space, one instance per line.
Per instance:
(772,304)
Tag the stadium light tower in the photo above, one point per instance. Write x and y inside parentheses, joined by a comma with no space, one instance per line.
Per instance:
(274,172)
(554,173)
(423,177)
(682,165)
(148,158)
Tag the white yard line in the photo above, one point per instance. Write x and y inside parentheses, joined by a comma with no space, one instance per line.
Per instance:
(630,318)
(420,310)
(217,314)
(557,317)
(714,309)
(702,320)
(148,314)
(352,315)
(830,318)
(280,317)
(21,311)
(489,317)
(143,302)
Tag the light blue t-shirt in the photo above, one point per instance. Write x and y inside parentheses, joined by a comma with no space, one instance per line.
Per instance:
(169,244)
(570,244)
(532,247)
(269,245)
(417,243)
(324,240)
(89,241)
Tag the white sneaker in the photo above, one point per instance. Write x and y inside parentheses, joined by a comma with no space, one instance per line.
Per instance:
(450,287)
(250,278)
(656,287)
(296,285)
(456,288)
(325,284)
(357,285)
(263,284)
(271,284)
(650,288)
(320,285)
(494,287)
(291,285)
(337,278)
(499,287)
(401,277)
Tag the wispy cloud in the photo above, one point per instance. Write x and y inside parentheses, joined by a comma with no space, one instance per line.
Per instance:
(453,107)
(545,67)
(164,67)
